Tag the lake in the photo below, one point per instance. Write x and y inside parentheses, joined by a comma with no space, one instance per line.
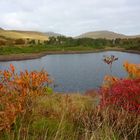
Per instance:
(76,72)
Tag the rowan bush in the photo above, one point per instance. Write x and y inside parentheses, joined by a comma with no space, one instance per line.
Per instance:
(16,89)
(123,93)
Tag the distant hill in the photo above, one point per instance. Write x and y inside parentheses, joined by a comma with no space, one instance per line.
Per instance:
(135,36)
(1,28)
(14,34)
(104,34)
(50,34)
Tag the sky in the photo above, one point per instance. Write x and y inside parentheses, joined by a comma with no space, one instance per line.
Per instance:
(71,17)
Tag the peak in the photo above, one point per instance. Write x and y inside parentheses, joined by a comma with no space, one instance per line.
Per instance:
(102,34)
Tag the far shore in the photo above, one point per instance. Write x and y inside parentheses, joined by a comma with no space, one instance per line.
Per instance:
(28,56)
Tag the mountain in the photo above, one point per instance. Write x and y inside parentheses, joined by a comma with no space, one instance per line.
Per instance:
(1,28)
(15,34)
(102,34)
(105,34)
(50,34)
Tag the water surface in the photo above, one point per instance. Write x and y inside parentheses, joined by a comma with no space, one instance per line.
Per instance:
(76,72)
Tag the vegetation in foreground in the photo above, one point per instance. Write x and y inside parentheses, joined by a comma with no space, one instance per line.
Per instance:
(30,111)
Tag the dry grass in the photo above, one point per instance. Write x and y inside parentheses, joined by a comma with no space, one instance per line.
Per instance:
(73,117)
(23,35)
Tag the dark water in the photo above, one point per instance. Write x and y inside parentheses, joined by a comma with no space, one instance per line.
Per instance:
(76,72)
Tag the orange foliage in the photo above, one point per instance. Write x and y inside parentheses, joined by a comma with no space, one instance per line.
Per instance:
(109,80)
(15,89)
(132,69)
(124,92)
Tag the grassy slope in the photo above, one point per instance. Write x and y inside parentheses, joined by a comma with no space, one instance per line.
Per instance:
(102,34)
(105,34)
(23,34)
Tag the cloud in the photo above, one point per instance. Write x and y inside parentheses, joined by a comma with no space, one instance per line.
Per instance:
(71,17)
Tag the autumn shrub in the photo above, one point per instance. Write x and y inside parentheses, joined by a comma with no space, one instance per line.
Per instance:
(123,93)
(16,91)
(133,70)
(118,111)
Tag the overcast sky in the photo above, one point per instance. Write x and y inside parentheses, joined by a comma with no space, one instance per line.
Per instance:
(71,17)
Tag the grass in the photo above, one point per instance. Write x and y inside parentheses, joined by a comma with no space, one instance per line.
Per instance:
(33,49)
(72,117)
(6,50)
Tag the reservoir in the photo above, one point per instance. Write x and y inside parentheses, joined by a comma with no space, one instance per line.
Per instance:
(76,72)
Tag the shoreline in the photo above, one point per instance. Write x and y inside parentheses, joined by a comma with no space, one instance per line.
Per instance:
(28,56)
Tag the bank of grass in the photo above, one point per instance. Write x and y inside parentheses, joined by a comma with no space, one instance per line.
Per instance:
(72,117)
(8,53)
(6,50)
